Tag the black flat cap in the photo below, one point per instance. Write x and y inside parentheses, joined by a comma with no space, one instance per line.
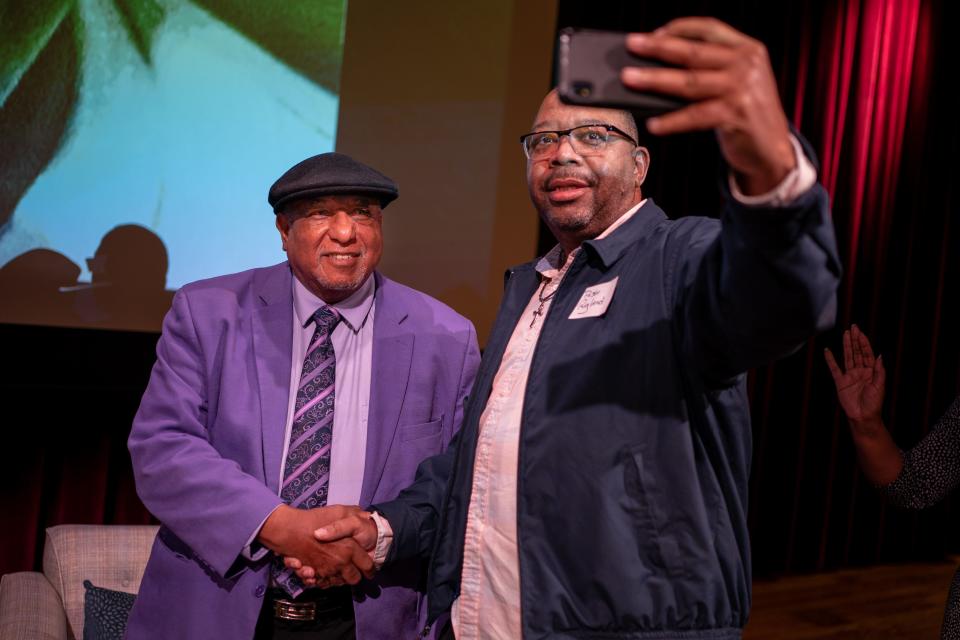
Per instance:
(331,174)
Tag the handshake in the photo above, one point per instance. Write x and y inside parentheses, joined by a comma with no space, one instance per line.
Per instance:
(327,546)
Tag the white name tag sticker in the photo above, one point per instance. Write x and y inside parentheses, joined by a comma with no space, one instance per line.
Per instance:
(595,300)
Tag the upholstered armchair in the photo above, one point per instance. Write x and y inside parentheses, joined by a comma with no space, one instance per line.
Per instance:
(50,605)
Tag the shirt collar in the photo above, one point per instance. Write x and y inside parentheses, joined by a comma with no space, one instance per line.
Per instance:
(549,265)
(352,309)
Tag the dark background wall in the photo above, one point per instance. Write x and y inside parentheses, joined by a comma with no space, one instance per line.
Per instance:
(68,397)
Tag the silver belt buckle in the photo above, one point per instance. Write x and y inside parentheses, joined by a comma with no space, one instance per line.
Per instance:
(288,610)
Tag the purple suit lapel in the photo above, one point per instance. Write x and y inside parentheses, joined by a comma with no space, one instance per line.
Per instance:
(272,345)
(392,355)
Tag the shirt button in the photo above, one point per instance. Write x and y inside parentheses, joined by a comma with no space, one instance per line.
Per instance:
(259,591)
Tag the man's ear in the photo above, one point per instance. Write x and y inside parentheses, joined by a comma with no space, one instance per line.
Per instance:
(283,226)
(642,159)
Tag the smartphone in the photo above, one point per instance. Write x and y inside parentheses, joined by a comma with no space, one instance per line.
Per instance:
(588,73)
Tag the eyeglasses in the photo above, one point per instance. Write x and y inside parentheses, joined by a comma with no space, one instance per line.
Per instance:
(586,140)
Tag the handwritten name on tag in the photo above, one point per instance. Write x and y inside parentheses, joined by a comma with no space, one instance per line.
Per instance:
(594,301)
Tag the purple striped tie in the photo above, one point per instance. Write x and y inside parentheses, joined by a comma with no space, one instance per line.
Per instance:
(306,474)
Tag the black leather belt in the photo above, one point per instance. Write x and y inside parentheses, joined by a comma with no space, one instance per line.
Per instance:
(312,604)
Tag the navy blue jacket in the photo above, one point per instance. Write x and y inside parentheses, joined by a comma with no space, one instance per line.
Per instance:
(635,439)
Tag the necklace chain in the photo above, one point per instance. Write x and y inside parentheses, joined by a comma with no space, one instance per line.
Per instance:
(543,301)
(538,312)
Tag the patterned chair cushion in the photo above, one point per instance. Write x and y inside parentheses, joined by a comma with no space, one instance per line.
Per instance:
(105,612)
(109,556)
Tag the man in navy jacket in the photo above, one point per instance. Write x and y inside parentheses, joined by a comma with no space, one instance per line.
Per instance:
(598,486)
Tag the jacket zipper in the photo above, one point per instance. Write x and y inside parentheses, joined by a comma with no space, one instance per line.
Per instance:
(533,361)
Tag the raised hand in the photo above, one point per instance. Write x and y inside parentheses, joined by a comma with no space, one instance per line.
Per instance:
(728,79)
(860,389)
(861,383)
(289,532)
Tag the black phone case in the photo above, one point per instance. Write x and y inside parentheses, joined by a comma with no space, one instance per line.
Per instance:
(588,73)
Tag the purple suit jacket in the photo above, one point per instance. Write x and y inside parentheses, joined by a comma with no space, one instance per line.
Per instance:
(207,443)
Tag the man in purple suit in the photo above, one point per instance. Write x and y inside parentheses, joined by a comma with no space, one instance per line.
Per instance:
(281,390)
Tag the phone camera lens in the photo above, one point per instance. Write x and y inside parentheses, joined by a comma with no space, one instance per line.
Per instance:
(583,89)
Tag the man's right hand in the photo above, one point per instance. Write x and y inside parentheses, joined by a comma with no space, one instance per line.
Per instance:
(289,532)
(352,524)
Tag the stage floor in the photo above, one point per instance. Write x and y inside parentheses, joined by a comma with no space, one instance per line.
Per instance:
(890,601)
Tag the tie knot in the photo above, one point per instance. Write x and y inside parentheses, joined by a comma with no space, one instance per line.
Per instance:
(326,318)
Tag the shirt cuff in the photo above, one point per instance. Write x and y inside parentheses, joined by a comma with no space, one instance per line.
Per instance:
(800,180)
(384,539)
(253,549)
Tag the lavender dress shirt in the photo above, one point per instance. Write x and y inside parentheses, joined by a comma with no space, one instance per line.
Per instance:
(353,345)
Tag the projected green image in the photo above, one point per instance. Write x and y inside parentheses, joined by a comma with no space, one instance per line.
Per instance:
(165,118)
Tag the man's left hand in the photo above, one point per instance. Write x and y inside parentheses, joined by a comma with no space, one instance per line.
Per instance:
(727,77)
